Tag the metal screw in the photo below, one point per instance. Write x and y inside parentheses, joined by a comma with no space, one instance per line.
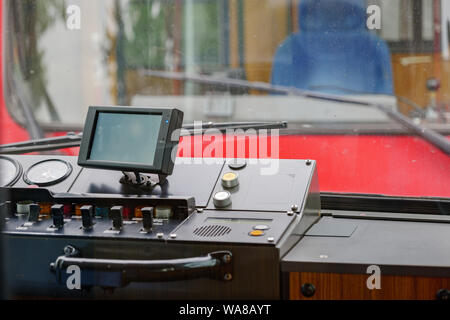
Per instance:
(200,210)
(228,277)
(308,162)
(271,239)
(160,235)
(69,250)
(173,235)
(290,213)
(226,258)
(294,208)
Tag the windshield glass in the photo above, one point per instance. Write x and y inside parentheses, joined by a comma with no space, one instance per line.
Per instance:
(60,57)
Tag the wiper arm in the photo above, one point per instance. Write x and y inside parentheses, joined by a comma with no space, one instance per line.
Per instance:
(74,140)
(46,144)
(429,135)
(238,125)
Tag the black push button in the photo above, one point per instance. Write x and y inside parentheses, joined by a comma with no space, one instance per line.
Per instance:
(308,290)
(58,215)
(87,213)
(117,217)
(237,164)
(35,210)
(147,218)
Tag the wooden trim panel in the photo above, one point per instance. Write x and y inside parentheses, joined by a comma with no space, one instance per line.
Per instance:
(331,286)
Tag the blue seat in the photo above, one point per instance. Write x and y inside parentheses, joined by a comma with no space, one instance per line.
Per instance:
(334,52)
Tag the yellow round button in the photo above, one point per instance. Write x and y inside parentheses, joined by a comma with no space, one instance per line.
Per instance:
(229,176)
(256,233)
(230,180)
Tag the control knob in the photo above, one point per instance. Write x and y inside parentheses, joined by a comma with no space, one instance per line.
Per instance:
(117,217)
(57,211)
(87,214)
(147,218)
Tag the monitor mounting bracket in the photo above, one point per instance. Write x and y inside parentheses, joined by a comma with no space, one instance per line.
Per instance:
(143,181)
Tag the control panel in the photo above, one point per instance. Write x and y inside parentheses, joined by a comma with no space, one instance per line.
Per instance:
(129,216)
(99,216)
(228,201)
(215,221)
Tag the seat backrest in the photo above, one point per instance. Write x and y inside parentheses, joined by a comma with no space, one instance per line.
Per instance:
(333,52)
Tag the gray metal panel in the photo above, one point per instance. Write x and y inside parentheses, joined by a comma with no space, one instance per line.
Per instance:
(310,210)
(240,224)
(28,161)
(259,192)
(398,247)
(194,180)
(332,228)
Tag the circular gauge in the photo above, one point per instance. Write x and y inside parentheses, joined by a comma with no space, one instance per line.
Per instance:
(47,172)
(10,171)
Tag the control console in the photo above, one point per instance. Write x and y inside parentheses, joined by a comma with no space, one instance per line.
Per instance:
(137,224)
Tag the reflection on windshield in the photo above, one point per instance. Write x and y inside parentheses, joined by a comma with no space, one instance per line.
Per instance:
(86,53)
(59,57)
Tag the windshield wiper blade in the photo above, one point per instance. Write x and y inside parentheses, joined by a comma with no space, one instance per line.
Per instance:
(74,140)
(427,134)
(46,144)
(224,128)
(238,125)
(69,137)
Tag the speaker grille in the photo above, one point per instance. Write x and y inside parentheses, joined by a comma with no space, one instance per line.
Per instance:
(212,231)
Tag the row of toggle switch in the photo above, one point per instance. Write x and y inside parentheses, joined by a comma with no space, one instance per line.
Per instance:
(58,213)
(87,216)
(23,208)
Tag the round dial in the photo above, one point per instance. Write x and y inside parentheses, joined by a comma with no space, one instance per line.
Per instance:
(10,171)
(48,172)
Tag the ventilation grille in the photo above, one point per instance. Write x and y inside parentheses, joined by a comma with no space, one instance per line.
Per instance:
(212,231)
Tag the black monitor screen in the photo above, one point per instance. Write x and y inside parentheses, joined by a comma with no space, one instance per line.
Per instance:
(125,137)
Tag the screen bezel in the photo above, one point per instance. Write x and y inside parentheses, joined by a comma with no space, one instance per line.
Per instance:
(89,132)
